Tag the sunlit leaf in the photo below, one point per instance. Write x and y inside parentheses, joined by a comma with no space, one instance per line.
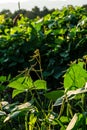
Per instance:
(75,77)
(40,84)
(16,92)
(64,119)
(22,83)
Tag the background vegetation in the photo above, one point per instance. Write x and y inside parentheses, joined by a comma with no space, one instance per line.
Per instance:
(30,14)
(43,68)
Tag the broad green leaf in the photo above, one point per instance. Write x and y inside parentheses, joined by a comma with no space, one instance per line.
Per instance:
(75,77)
(16,92)
(22,83)
(40,84)
(17,85)
(29,82)
(54,95)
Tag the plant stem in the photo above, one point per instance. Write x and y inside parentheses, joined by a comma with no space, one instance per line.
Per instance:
(26,121)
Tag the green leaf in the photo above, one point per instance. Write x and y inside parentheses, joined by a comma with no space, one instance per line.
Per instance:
(16,92)
(59,31)
(2,78)
(22,83)
(75,77)
(54,95)
(40,84)
(17,85)
(64,119)
(29,82)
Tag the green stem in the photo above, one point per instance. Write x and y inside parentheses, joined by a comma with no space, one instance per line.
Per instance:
(26,121)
